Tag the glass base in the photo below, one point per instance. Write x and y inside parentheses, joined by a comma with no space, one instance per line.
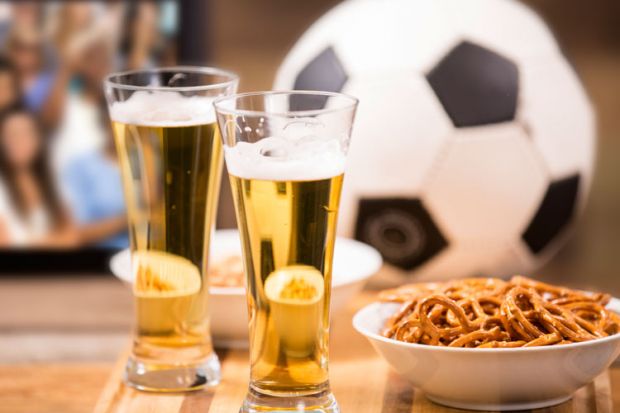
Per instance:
(256,402)
(170,378)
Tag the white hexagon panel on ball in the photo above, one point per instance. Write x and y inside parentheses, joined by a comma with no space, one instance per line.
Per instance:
(487,184)
(555,109)
(508,28)
(391,151)
(483,193)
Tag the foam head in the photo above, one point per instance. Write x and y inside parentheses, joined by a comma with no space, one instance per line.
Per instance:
(160,108)
(280,159)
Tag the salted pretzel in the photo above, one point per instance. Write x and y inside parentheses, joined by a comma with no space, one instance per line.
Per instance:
(493,313)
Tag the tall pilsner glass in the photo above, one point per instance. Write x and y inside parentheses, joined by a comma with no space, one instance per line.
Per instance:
(285,153)
(170,154)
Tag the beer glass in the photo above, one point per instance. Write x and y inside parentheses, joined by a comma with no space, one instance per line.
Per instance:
(285,154)
(170,156)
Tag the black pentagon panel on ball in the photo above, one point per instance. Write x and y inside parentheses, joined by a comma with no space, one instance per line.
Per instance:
(401,229)
(554,213)
(476,86)
(324,73)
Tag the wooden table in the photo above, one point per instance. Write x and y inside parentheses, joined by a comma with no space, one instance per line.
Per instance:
(361,381)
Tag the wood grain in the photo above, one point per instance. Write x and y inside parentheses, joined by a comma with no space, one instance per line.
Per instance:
(51,388)
(363,387)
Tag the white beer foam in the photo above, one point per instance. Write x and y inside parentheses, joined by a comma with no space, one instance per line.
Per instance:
(159,108)
(280,159)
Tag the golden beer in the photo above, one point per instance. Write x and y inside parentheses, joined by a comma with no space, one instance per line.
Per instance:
(171,179)
(288,233)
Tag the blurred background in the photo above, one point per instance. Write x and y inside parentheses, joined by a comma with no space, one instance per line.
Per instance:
(60,185)
(59,181)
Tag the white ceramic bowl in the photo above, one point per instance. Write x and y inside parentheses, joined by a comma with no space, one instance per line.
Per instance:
(490,379)
(354,263)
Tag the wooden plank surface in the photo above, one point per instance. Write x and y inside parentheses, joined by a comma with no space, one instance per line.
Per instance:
(74,388)
(365,386)
(51,387)
(361,381)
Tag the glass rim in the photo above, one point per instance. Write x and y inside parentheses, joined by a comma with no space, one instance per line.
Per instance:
(233,78)
(217,103)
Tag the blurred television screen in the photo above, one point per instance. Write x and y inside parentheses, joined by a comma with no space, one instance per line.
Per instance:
(60,185)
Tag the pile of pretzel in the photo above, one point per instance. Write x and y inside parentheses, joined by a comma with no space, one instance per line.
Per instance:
(493,313)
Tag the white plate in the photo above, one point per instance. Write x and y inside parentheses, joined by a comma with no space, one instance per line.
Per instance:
(490,379)
(354,263)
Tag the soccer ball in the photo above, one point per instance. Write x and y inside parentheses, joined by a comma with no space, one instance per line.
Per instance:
(473,146)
